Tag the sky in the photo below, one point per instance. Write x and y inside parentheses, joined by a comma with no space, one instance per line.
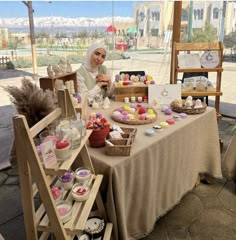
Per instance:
(73,9)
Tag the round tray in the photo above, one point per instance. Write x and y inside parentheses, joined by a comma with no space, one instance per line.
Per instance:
(190,111)
(135,121)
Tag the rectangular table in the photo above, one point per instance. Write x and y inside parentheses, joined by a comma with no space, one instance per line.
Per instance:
(161,169)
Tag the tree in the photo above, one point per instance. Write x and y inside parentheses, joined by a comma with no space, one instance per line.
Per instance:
(230,41)
(207,35)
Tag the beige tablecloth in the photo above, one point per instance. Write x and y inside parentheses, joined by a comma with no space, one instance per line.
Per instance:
(160,170)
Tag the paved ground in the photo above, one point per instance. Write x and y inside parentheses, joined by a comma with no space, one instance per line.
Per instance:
(206,213)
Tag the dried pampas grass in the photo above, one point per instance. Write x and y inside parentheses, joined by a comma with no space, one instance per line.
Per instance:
(31,101)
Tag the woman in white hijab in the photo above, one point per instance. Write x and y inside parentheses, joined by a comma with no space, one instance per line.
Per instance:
(92,77)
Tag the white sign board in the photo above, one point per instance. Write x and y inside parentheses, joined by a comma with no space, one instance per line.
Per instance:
(165,94)
(210,59)
(189,61)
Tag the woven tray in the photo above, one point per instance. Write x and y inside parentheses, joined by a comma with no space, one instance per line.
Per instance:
(122,147)
(190,111)
(135,121)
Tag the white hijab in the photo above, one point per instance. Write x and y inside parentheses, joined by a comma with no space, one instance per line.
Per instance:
(91,49)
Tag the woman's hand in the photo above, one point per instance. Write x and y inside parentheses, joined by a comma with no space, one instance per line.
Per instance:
(103,80)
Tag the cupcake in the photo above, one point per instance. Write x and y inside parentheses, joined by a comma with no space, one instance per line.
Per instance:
(67,180)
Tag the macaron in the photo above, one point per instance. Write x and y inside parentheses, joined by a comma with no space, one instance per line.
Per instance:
(183,115)
(149,132)
(168,111)
(177,117)
(170,121)
(164,124)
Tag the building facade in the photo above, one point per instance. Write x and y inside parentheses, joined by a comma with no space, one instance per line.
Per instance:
(154,20)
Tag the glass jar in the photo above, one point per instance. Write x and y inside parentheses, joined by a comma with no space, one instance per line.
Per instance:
(76,132)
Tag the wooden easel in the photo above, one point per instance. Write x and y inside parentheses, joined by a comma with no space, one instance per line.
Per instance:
(193,47)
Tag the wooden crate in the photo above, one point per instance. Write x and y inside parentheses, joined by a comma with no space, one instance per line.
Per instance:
(130,91)
(49,83)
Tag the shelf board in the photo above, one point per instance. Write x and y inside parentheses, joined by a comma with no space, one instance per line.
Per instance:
(201,94)
(200,69)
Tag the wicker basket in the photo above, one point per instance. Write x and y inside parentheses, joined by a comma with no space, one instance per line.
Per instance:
(190,111)
(129,133)
(122,147)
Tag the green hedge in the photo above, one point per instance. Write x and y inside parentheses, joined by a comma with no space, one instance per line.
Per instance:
(25,62)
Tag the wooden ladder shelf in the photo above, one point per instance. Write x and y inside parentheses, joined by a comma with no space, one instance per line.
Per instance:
(34,178)
(196,47)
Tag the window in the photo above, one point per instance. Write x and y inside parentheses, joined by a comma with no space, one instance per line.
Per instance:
(198,14)
(184,16)
(215,13)
(201,14)
(195,14)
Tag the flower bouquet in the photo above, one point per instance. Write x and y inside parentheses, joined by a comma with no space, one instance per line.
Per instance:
(100,127)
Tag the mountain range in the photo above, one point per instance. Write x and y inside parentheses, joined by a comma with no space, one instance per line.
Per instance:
(62,22)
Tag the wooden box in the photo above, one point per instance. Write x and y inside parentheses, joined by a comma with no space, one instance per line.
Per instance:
(49,83)
(130,91)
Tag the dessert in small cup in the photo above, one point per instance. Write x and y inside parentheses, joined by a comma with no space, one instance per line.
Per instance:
(62,149)
(82,174)
(80,192)
(57,193)
(64,209)
(67,180)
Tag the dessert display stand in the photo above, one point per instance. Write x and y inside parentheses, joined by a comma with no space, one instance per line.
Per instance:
(193,47)
(49,83)
(43,220)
